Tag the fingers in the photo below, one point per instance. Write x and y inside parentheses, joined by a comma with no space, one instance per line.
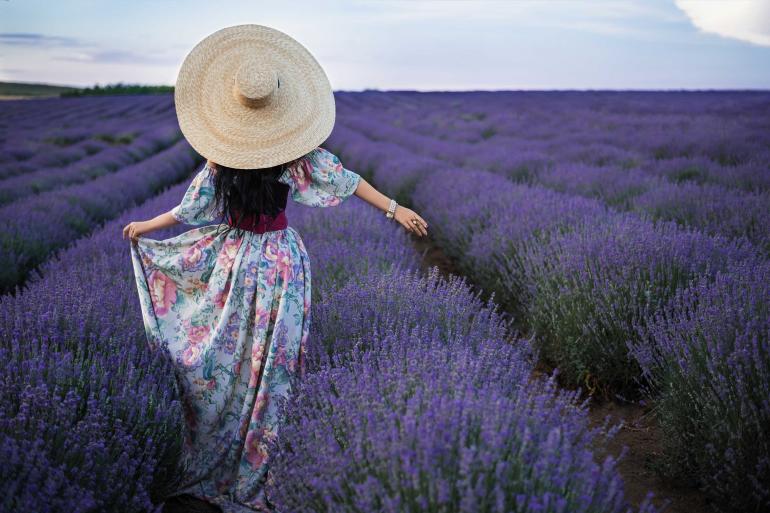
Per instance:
(419,228)
(130,231)
(412,222)
(421,225)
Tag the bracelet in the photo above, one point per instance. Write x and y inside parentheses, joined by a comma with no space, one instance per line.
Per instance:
(391,209)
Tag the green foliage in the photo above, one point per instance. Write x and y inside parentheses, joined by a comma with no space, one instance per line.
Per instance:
(125,138)
(488,132)
(119,88)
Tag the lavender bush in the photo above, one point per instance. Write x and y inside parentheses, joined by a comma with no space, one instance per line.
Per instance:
(481,235)
(616,187)
(706,356)
(386,302)
(349,241)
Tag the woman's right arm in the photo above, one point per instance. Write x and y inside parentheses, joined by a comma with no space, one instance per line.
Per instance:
(320,180)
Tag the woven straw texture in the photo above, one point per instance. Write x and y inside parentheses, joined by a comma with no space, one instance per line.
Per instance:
(251,96)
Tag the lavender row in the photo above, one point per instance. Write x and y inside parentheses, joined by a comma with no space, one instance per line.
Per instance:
(36,226)
(76,146)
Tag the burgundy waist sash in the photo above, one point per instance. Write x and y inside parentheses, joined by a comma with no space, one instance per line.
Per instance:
(265,223)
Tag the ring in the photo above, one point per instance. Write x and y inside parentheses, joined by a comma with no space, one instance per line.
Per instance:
(414,221)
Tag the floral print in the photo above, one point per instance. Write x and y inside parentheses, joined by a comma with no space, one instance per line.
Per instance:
(233,314)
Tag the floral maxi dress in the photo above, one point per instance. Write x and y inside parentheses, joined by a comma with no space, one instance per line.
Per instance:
(233,314)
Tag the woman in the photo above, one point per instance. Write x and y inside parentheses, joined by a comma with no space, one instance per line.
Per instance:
(230,302)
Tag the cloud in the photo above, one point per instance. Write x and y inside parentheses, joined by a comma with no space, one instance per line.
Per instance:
(36,39)
(746,20)
(84,51)
(119,57)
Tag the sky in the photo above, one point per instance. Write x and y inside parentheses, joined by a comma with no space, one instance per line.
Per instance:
(407,44)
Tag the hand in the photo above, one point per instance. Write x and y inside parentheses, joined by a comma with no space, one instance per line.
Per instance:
(407,216)
(134,229)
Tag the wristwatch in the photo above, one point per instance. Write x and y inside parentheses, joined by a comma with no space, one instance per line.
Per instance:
(391,209)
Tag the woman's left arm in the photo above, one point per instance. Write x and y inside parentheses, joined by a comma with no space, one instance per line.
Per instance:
(137,228)
(403,215)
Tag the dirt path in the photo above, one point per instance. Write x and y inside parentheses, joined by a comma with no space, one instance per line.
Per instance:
(433,255)
(639,433)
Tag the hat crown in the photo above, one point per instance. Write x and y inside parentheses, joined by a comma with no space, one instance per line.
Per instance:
(255,83)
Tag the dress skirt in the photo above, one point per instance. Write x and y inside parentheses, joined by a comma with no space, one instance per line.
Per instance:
(232,311)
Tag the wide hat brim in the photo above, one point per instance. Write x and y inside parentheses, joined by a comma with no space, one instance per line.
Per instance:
(251,96)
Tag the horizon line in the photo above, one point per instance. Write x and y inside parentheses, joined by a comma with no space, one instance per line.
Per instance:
(469,90)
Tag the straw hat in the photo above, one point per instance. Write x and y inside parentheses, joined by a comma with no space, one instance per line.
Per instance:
(250,96)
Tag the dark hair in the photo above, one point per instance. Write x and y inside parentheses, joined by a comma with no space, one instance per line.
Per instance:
(245,192)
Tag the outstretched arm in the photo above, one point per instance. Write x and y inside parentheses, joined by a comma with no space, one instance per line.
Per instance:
(134,229)
(196,208)
(403,215)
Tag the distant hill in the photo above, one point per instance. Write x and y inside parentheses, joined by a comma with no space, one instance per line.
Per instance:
(23,89)
(9,90)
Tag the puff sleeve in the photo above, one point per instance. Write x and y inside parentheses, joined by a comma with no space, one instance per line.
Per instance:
(198,206)
(318,179)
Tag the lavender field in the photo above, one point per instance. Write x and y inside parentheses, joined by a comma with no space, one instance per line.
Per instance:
(620,241)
